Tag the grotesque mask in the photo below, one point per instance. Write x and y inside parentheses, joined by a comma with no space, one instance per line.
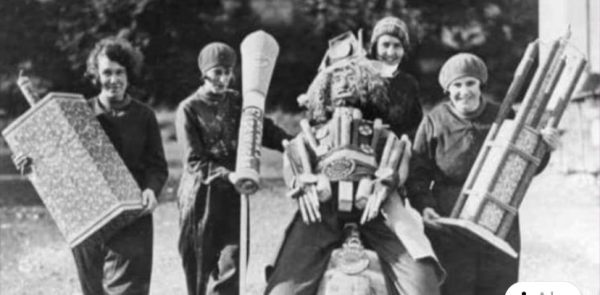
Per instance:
(343,86)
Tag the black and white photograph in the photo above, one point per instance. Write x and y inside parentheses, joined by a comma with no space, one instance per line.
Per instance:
(299,147)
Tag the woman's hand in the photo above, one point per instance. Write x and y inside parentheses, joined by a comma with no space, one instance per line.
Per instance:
(23,163)
(302,100)
(245,187)
(551,136)
(148,201)
(430,218)
(219,172)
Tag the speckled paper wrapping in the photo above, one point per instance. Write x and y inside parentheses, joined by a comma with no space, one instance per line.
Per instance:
(76,170)
(511,176)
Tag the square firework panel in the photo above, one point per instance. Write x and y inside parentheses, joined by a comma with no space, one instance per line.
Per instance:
(503,176)
(76,170)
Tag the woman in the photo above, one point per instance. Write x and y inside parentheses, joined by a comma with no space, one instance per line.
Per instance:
(207,124)
(123,264)
(389,43)
(446,145)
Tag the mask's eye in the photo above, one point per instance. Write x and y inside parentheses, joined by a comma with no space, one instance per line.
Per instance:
(351,78)
(336,79)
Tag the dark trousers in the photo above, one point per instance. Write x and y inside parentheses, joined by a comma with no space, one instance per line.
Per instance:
(474,268)
(120,266)
(209,240)
(305,254)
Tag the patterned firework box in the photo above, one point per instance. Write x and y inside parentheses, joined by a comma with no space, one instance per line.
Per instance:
(76,170)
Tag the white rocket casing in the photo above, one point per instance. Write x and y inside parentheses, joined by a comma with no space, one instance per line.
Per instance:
(259,52)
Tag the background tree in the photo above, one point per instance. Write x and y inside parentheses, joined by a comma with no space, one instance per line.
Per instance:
(50,39)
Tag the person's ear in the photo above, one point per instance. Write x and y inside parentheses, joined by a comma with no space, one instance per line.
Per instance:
(95,81)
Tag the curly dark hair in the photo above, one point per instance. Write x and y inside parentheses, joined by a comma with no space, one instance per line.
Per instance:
(372,91)
(118,50)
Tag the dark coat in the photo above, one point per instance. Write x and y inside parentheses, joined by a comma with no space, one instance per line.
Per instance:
(123,264)
(405,111)
(134,132)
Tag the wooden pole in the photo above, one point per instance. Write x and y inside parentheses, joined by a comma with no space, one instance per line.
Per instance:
(244,228)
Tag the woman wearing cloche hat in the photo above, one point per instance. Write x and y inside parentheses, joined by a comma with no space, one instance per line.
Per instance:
(446,145)
(389,43)
(207,124)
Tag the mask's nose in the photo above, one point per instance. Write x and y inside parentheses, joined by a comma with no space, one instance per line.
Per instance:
(344,84)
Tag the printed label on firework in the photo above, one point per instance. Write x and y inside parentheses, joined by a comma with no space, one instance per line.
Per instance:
(250,138)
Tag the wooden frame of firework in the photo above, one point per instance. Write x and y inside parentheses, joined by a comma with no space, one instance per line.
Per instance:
(528,119)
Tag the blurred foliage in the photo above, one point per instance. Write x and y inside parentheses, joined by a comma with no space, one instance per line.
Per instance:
(497,30)
(50,40)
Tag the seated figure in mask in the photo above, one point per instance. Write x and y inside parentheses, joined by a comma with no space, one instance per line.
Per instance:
(352,233)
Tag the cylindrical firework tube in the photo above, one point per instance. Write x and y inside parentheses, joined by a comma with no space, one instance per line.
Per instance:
(377,130)
(403,167)
(345,128)
(516,86)
(387,171)
(540,109)
(565,96)
(259,52)
(536,84)
(387,150)
(363,192)
(308,135)
(336,128)
(396,155)
(27,90)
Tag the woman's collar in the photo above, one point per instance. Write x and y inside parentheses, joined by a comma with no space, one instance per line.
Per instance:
(209,98)
(107,105)
(390,71)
